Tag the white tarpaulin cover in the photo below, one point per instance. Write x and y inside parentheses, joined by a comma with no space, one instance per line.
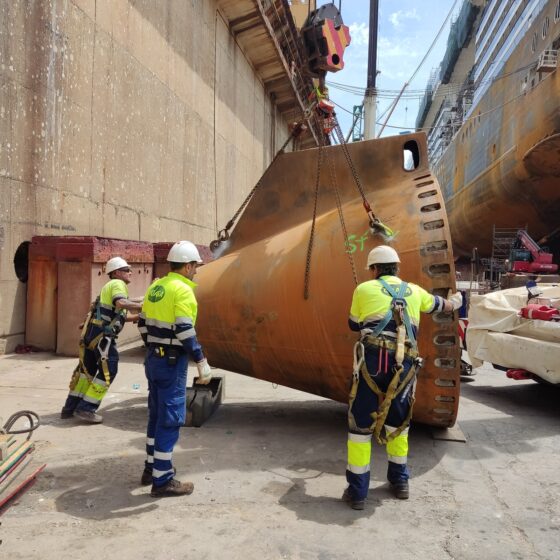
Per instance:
(497,334)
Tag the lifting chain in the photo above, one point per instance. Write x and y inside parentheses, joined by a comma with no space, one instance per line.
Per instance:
(312,232)
(223,235)
(334,183)
(341,216)
(376,225)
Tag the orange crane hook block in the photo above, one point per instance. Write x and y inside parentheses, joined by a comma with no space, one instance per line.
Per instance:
(325,37)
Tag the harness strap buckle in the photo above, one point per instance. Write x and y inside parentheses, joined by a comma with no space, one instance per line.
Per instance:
(359,354)
(400,350)
(103,346)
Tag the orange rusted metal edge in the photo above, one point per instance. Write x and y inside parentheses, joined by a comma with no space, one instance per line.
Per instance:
(253,317)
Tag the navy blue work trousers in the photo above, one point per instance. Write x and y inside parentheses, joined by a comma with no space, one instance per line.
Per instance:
(167,400)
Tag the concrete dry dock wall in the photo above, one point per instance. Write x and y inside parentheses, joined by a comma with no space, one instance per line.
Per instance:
(129,119)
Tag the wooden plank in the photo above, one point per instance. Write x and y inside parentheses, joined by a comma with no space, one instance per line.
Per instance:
(14,456)
(4,500)
(13,467)
(11,476)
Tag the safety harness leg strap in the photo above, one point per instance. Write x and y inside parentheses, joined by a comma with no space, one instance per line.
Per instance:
(385,400)
(96,343)
(81,368)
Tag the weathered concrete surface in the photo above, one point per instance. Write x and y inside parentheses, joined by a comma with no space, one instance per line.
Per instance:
(129,119)
(268,470)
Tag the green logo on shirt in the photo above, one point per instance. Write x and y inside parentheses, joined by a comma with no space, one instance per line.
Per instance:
(156,293)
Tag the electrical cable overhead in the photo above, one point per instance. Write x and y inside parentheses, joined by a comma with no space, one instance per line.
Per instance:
(491,110)
(447,18)
(396,100)
(447,89)
(406,84)
(442,91)
(469,118)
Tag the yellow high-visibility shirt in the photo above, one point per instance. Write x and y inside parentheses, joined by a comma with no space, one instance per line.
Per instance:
(371,301)
(112,291)
(169,314)
(169,298)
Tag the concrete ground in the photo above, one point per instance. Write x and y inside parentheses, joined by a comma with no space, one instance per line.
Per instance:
(268,470)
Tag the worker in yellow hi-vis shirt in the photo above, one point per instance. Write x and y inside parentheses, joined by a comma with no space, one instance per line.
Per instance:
(386,311)
(98,355)
(167,325)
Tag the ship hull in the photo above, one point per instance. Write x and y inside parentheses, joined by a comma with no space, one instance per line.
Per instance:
(502,167)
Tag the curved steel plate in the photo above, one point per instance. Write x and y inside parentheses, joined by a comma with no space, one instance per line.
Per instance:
(253,316)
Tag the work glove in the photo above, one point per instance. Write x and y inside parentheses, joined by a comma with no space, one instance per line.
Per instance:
(204,372)
(456,300)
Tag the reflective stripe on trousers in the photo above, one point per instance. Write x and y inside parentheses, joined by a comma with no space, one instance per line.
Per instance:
(167,400)
(358,467)
(397,455)
(88,394)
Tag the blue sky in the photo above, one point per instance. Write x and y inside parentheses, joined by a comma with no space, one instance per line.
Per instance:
(406,30)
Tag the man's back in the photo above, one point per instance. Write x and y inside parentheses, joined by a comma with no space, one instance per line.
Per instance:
(170,297)
(372,301)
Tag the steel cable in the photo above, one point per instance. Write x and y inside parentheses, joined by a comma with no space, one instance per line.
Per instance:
(34,423)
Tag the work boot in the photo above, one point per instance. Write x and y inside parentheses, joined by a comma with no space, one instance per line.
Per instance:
(172,488)
(88,416)
(147,477)
(354,504)
(65,414)
(400,490)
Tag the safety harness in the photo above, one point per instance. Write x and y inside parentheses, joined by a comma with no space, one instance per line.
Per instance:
(405,346)
(102,342)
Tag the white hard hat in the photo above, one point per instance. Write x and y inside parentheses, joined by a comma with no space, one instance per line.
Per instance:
(184,252)
(114,264)
(383,254)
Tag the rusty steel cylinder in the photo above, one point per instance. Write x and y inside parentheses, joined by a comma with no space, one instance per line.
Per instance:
(253,316)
